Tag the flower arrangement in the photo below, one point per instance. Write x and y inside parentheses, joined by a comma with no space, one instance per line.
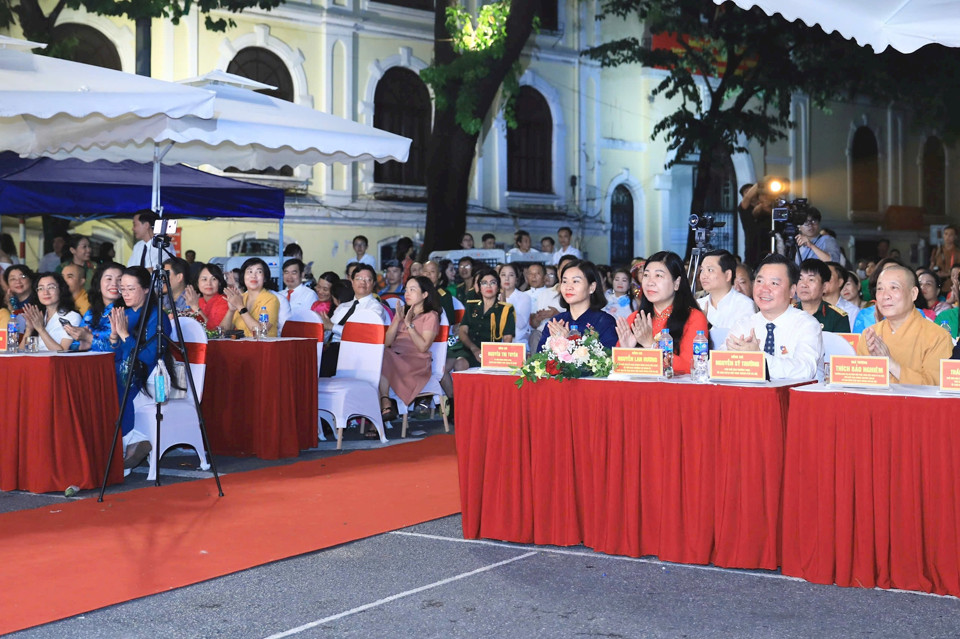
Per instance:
(568,358)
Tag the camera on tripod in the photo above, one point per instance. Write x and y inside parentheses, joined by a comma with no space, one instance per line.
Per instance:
(706,222)
(793,212)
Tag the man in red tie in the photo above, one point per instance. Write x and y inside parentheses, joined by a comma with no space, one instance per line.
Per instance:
(295,293)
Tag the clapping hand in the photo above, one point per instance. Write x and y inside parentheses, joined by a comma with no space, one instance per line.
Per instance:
(639,333)
(118,322)
(234,298)
(876,346)
(745,343)
(192,297)
(33,317)
(399,312)
(558,328)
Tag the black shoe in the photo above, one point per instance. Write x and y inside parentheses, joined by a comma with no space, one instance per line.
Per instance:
(136,453)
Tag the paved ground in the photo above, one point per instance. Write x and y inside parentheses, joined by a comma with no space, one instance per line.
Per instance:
(427,581)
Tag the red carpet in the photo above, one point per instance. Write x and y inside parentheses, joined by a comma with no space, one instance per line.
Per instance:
(63,560)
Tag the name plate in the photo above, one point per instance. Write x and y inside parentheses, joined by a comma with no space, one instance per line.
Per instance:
(737,366)
(637,362)
(859,371)
(502,357)
(950,376)
(3,340)
(852,338)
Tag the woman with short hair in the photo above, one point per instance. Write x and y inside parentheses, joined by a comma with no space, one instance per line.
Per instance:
(246,307)
(56,303)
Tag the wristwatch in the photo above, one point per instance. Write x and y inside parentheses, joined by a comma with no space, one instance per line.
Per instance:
(243,309)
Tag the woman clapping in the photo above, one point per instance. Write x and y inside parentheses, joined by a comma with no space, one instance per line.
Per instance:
(57,304)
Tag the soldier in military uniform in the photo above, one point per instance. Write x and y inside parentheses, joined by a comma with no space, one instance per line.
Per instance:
(813,274)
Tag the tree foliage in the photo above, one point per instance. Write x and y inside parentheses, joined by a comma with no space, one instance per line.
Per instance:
(37,19)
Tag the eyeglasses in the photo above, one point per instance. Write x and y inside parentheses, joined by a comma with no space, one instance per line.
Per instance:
(362,279)
(48,287)
(17,278)
(488,284)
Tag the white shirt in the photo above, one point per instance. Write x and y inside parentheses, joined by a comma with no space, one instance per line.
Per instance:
(55,329)
(138,249)
(366,259)
(733,307)
(369,302)
(522,305)
(619,305)
(570,250)
(548,298)
(849,308)
(300,297)
(284,312)
(798,343)
(49,263)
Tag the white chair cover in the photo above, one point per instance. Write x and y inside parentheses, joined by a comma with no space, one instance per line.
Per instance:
(306,323)
(833,344)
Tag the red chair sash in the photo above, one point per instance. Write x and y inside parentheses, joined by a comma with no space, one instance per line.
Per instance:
(458,315)
(442,334)
(196,353)
(303,329)
(363,333)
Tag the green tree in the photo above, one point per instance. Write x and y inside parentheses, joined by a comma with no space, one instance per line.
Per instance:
(473,58)
(734,73)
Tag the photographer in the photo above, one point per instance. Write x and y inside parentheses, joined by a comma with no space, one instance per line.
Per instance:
(811,244)
(754,213)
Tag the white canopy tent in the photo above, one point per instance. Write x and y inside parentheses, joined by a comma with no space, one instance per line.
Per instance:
(905,25)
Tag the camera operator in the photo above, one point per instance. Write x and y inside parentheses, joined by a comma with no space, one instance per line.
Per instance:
(811,244)
(754,213)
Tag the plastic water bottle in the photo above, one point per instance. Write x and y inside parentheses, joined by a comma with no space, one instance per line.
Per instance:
(700,370)
(264,321)
(160,386)
(13,338)
(666,345)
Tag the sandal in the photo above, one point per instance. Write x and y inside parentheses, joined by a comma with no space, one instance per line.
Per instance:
(388,413)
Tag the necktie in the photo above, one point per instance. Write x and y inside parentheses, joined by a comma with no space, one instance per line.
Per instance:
(289,293)
(350,312)
(768,346)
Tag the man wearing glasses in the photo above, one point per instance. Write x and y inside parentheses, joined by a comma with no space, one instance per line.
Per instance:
(364,279)
(811,244)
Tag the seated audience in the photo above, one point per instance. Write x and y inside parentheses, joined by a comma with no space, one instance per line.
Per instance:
(667,302)
(50,261)
(212,302)
(449,270)
(489,241)
(407,362)
(178,272)
(722,305)
(547,245)
(544,302)
(582,301)
(245,308)
(550,277)
(392,274)
(929,301)
(620,300)
(944,256)
(133,363)
(521,302)
(465,289)
(431,270)
(832,295)
(790,338)
(485,320)
(19,280)
(743,282)
(914,345)
(96,333)
(79,252)
(325,301)
(813,274)
(364,278)
(416,269)
(850,292)
(55,310)
(521,248)
(466,242)
(297,294)
(868,315)
(76,279)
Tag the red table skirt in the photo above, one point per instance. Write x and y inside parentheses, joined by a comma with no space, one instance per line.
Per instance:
(689,473)
(872,491)
(260,398)
(59,415)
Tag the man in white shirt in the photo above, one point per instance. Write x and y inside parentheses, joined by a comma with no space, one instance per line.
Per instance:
(144,253)
(50,261)
(295,292)
(545,303)
(564,236)
(724,306)
(790,337)
(360,244)
(364,279)
(831,292)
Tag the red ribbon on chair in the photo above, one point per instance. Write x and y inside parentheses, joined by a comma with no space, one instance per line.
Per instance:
(196,353)
(442,334)
(363,333)
(458,315)
(303,329)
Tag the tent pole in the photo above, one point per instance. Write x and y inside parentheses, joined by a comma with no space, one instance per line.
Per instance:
(158,156)
(23,240)
(280,256)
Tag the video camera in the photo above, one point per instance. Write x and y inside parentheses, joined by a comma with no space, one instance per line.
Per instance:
(791,213)
(706,222)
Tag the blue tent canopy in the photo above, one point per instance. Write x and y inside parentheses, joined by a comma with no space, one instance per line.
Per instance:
(78,190)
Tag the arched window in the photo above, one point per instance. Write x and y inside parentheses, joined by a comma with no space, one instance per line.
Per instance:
(621,226)
(934,177)
(530,145)
(83,43)
(402,106)
(865,166)
(262,65)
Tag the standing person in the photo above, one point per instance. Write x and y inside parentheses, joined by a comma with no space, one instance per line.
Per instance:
(50,261)
(144,254)
(943,257)
(667,302)
(246,307)
(723,306)
(8,251)
(56,309)
(521,302)
(466,242)
(296,293)
(360,244)
(191,257)
(76,279)
(564,236)
(407,362)
(811,244)
(106,253)
(80,251)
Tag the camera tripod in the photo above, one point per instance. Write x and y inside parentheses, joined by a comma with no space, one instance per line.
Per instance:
(701,240)
(159,281)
